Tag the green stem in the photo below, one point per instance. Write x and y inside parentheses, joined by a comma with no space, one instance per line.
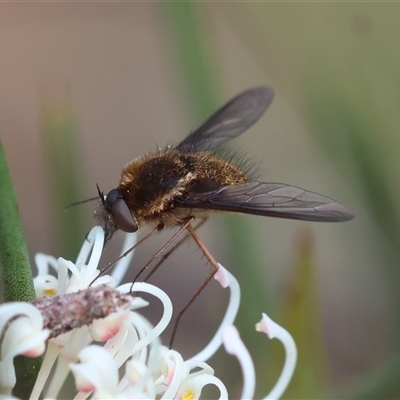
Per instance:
(16,274)
(15,270)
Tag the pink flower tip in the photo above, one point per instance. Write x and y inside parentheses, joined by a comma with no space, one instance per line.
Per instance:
(104,329)
(222,276)
(35,351)
(86,387)
(264,325)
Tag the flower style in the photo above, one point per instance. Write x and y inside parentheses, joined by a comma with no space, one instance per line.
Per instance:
(24,335)
(124,340)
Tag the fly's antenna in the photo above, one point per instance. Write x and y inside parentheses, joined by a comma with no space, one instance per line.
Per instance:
(77,203)
(101,195)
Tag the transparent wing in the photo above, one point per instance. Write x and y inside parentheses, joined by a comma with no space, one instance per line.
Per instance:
(270,199)
(230,121)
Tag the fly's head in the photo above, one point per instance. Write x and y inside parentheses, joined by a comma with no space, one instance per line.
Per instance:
(113,213)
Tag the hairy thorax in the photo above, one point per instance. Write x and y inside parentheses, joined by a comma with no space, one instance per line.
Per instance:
(154,185)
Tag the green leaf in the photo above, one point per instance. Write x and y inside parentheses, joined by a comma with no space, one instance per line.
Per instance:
(15,270)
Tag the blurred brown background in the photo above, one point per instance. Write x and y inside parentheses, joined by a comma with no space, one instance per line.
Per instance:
(115,80)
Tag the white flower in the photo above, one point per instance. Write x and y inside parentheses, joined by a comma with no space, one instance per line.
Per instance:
(273,330)
(84,271)
(24,334)
(126,341)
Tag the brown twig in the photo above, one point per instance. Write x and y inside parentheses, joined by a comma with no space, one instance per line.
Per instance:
(63,313)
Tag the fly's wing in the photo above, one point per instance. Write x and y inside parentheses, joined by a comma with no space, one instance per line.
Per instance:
(270,199)
(229,121)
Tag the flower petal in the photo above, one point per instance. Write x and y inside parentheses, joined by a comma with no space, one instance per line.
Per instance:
(273,330)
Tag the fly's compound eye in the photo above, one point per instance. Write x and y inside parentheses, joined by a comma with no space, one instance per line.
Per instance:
(120,212)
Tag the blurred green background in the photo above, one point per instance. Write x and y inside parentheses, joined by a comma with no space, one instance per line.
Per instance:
(86,87)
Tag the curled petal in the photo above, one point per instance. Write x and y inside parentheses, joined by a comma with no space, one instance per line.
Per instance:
(121,345)
(92,247)
(273,330)
(166,317)
(123,263)
(84,271)
(147,381)
(43,262)
(225,277)
(191,388)
(24,335)
(96,371)
(106,328)
(234,345)
(200,367)
(135,370)
(173,371)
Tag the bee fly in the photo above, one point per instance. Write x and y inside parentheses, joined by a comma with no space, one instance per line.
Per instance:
(172,187)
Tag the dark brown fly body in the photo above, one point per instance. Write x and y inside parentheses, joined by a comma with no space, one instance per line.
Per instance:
(173,187)
(168,186)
